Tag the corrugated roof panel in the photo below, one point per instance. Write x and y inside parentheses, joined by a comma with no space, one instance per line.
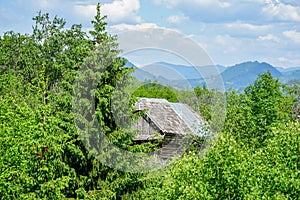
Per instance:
(194,122)
(173,118)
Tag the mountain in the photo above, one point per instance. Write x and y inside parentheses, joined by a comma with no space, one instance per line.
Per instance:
(292,75)
(283,70)
(178,76)
(237,77)
(243,74)
(192,72)
(155,73)
(167,74)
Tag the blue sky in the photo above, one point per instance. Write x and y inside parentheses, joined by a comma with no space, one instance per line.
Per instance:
(230,31)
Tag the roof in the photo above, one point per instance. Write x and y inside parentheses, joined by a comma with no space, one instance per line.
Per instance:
(176,118)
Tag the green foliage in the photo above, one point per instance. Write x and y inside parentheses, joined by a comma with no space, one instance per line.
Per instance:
(99,33)
(32,163)
(205,98)
(295,92)
(252,115)
(156,90)
(268,102)
(43,156)
(230,171)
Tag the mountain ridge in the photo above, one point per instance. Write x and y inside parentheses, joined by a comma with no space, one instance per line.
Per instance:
(237,76)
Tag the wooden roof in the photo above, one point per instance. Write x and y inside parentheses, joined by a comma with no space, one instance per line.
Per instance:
(175,118)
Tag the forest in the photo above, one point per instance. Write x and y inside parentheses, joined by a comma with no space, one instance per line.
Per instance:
(44,155)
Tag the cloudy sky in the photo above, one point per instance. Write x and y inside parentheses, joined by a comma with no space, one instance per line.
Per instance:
(230,31)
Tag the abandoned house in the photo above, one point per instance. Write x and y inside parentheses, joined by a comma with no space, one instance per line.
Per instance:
(167,122)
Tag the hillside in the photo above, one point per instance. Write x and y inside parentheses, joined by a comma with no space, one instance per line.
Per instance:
(243,74)
(236,77)
(178,76)
(290,69)
(292,75)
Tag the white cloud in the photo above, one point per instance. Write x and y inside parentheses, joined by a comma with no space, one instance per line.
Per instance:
(194,3)
(280,11)
(224,4)
(247,26)
(232,10)
(176,19)
(282,59)
(44,4)
(269,37)
(285,61)
(117,11)
(239,29)
(168,3)
(215,10)
(228,43)
(292,35)
(123,10)
(204,3)
(118,28)
(130,27)
(86,11)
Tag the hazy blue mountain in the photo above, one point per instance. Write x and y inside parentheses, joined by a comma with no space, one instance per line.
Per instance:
(158,73)
(192,72)
(292,75)
(290,69)
(221,68)
(143,75)
(179,76)
(236,77)
(243,74)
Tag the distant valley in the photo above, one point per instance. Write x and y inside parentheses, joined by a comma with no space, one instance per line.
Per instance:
(236,77)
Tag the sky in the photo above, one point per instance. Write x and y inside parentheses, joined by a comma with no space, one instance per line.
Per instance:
(230,31)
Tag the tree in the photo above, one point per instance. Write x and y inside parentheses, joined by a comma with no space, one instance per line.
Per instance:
(156,90)
(43,155)
(269,104)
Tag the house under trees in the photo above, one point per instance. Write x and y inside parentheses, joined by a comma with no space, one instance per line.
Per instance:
(169,123)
